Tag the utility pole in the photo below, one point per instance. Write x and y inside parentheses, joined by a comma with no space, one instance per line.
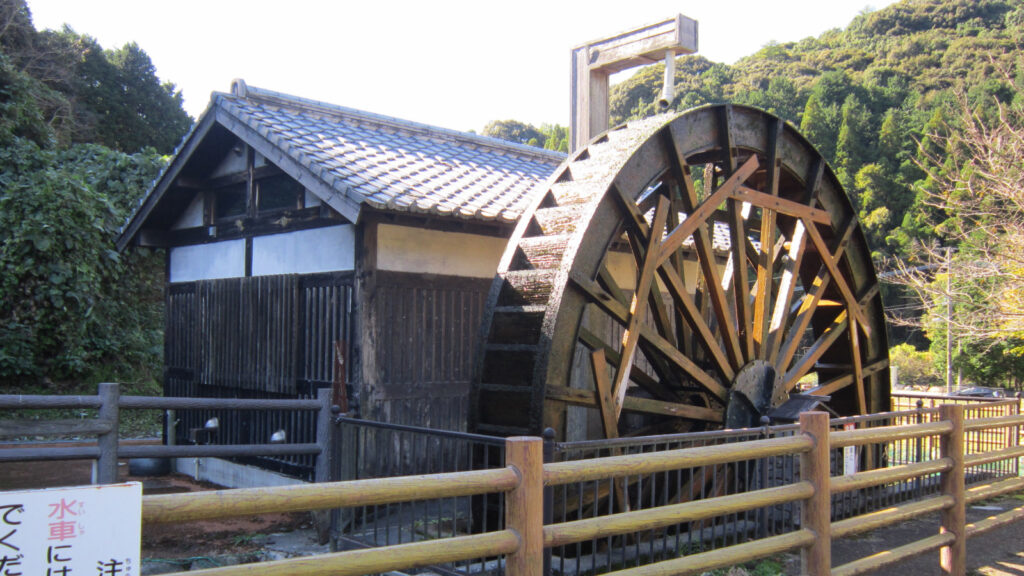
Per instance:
(949,321)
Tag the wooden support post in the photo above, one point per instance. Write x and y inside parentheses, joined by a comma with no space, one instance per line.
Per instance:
(816,512)
(524,506)
(106,465)
(953,558)
(324,470)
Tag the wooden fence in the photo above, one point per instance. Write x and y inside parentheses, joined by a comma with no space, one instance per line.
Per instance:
(106,450)
(524,478)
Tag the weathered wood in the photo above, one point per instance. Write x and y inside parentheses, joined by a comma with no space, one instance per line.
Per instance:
(380,560)
(787,286)
(819,347)
(593,62)
(637,404)
(635,464)
(638,308)
(524,506)
(815,513)
(168,508)
(953,556)
(781,205)
(106,464)
(66,427)
(852,304)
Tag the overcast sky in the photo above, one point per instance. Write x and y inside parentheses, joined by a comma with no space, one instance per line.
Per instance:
(457,64)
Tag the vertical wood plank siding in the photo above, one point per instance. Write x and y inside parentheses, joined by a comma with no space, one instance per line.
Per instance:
(427,326)
(262,337)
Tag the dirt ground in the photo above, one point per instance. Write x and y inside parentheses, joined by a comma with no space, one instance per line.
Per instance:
(998,553)
(168,541)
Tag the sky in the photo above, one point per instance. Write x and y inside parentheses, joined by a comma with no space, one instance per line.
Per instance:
(451,63)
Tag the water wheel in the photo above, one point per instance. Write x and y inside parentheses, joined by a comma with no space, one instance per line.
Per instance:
(681,273)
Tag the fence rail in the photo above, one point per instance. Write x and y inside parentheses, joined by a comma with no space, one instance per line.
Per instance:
(107,450)
(525,476)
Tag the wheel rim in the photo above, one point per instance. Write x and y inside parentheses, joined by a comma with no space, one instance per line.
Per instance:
(756,275)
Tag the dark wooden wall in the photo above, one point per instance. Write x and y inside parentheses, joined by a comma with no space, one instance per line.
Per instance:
(261,337)
(424,330)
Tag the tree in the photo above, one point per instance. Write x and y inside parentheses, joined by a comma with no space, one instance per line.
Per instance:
(514,131)
(974,172)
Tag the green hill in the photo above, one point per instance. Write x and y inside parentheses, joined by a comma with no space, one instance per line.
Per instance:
(865,95)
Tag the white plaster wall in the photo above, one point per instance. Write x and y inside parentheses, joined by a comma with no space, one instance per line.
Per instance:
(328,249)
(208,261)
(193,215)
(404,249)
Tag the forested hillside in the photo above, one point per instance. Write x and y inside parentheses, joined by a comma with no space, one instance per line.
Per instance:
(886,99)
(82,134)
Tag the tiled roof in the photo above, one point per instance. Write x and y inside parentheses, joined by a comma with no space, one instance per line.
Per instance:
(393,164)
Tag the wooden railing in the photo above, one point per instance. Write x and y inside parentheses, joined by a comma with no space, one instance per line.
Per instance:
(525,477)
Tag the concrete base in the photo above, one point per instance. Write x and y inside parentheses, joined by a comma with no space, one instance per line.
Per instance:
(229,474)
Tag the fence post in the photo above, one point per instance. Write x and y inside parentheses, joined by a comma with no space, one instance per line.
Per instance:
(953,558)
(324,460)
(106,465)
(816,512)
(549,492)
(524,506)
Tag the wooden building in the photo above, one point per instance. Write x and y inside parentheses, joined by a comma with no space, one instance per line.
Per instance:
(297,230)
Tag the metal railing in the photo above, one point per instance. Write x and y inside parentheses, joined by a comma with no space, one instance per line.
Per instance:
(106,449)
(520,544)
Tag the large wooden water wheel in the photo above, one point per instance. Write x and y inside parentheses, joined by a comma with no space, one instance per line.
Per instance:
(682,273)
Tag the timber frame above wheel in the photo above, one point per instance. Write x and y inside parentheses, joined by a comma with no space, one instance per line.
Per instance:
(681,273)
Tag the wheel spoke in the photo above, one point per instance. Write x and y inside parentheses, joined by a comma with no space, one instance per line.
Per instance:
(820,346)
(790,268)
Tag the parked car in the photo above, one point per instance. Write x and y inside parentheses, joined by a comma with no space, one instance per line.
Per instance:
(982,392)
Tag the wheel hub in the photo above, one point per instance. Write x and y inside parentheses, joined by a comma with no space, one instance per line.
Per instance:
(756,389)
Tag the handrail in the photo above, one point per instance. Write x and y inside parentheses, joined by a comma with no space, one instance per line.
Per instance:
(166,508)
(652,462)
(888,433)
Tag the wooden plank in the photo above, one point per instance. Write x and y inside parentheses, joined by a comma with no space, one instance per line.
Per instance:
(765,281)
(777,204)
(638,309)
(853,305)
(605,399)
(787,286)
(586,399)
(820,346)
(695,319)
(650,336)
(811,300)
(641,378)
(858,368)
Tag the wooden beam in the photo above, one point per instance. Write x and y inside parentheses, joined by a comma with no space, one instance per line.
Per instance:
(776,204)
(586,399)
(594,61)
(852,304)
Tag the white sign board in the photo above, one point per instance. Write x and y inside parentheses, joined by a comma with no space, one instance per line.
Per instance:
(95,530)
(849,454)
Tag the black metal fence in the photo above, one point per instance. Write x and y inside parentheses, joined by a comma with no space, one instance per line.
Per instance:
(380,450)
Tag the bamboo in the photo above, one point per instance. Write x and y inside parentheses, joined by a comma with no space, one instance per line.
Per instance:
(581,530)
(888,433)
(881,476)
(892,556)
(953,556)
(722,557)
(978,493)
(815,514)
(524,506)
(649,463)
(378,560)
(299,498)
(889,516)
